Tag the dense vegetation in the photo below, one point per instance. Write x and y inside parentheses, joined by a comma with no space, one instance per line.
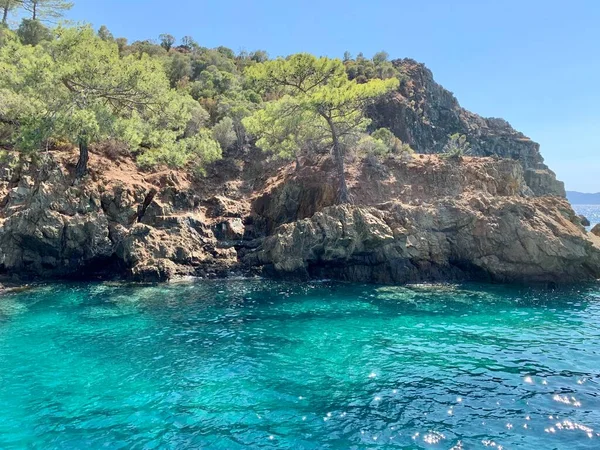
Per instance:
(179,105)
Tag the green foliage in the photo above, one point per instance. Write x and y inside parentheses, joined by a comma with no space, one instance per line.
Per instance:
(368,145)
(199,119)
(362,69)
(456,147)
(184,104)
(179,69)
(8,7)
(32,32)
(315,103)
(47,9)
(105,34)
(259,56)
(77,88)
(198,150)
(391,142)
(189,43)
(213,82)
(121,44)
(283,128)
(141,48)
(224,133)
(166,41)
(315,99)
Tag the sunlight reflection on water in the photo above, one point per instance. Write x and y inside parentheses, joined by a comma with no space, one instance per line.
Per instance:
(262,364)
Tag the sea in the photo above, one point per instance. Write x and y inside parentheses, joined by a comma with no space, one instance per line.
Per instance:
(259,364)
(592,212)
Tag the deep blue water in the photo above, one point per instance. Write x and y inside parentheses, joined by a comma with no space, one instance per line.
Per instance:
(592,212)
(262,364)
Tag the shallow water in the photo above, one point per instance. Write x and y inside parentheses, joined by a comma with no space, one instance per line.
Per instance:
(261,364)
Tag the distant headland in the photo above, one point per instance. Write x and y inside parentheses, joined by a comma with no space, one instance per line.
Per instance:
(583,198)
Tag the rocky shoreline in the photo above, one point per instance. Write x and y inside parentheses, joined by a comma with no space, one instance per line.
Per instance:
(498,214)
(413,219)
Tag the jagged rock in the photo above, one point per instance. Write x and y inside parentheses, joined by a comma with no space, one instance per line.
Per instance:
(229,229)
(420,219)
(544,182)
(220,206)
(53,228)
(584,220)
(423,114)
(507,239)
(596,230)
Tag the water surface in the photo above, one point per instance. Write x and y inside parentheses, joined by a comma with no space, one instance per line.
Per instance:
(261,364)
(592,212)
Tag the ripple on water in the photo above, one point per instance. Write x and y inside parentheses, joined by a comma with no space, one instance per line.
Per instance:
(260,364)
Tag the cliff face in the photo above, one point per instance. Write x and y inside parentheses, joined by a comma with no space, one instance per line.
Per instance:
(422,113)
(430,219)
(415,219)
(116,222)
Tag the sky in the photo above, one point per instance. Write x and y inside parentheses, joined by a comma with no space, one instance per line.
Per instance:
(535,63)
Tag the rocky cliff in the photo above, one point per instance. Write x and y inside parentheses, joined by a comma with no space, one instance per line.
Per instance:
(420,218)
(430,219)
(498,214)
(422,113)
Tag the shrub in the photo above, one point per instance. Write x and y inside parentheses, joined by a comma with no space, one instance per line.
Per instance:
(456,147)
(224,133)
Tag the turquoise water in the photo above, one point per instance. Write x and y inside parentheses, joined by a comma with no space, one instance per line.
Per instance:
(592,212)
(261,364)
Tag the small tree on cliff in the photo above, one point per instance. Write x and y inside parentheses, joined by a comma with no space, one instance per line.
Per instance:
(456,147)
(76,88)
(315,102)
(166,41)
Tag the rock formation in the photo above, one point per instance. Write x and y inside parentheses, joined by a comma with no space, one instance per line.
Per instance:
(422,113)
(434,220)
(499,214)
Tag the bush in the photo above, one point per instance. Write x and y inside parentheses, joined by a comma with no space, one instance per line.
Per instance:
(392,143)
(368,145)
(224,133)
(456,147)
(32,32)
(198,151)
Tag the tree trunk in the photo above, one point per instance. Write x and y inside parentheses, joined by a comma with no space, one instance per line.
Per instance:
(34,11)
(81,168)
(338,156)
(239,134)
(5,12)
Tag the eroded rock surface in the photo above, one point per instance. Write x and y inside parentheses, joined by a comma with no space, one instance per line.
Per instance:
(115,222)
(422,113)
(476,237)
(415,219)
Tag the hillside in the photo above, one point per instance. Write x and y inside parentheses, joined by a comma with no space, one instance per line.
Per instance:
(151,162)
(582,198)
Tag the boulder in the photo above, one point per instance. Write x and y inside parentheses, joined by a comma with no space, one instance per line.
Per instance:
(584,220)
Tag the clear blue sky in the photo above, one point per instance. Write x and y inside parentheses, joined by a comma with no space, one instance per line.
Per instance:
(535,63)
